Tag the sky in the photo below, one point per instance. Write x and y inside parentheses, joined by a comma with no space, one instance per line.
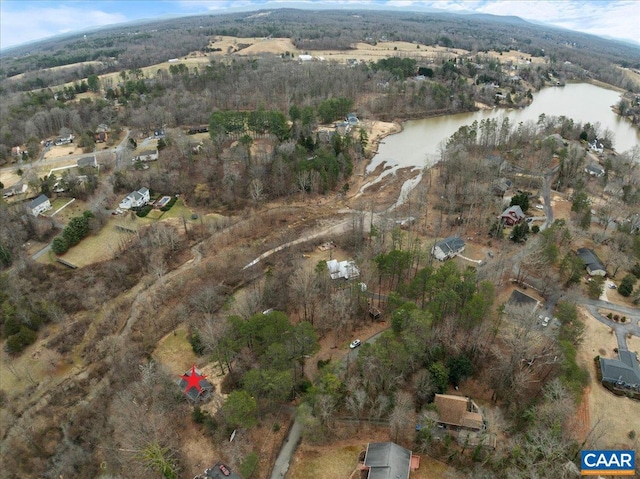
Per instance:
(23,21)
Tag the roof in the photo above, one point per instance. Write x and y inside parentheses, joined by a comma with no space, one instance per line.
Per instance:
(451,244)
(387,460)
(192,391)
(458,411)
(342,269)
(87,161)
(625,369)
(38,201)
(148,152)
(590,259)
(513,212)
(518,298)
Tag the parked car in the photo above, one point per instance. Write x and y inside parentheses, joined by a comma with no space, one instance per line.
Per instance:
(612,286)
(539,207)
(224,470)
(355,343)
(545,321)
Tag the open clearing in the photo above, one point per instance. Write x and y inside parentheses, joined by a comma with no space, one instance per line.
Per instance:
(612,416)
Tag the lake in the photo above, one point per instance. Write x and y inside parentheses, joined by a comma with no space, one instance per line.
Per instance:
(417,145)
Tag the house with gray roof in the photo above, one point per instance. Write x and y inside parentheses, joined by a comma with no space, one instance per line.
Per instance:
(87,161)
(622,373)
(591,262)
(135,199)
(39,205)
(387,460)
(512,215)
(448,248)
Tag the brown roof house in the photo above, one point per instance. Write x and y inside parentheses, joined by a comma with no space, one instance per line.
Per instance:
(512,215)
(458,412)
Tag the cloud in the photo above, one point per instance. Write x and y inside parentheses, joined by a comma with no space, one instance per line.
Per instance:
(33,23)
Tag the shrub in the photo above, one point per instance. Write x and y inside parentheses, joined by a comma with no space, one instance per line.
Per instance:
(17,342)
(196,342)
(626,285)
(60,245)
(144,211)
(610,315)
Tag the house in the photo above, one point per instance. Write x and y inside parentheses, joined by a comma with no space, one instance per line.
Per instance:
(135,199)
(305,58)
(101,137)
(448,248)
(594,170)
(387,460)
(195,386)
(592,262)
(596,146)
(14,190)
(342,269)
(352,119)
(16,151)
(458,413)
(39,205)
(622,373)
(501,186)
(87,161)
(64,140)
(512,215)
(146,155)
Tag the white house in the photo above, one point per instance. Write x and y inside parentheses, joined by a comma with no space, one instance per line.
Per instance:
(448,248)
(342,269)
(135,199)
(596,146)
(146,155)
(39,205)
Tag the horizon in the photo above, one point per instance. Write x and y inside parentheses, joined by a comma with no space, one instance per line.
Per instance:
(26,22)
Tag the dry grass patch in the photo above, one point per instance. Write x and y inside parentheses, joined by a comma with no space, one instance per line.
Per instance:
(325,462)
(174,352)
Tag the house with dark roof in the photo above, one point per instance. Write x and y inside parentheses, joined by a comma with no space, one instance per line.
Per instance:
(39,205)
(195,386)
(458,413)
(522,301)
(591,262)
(595,170)
(87,161)
(387,460)
(512,215)
(448,248)
(622,374)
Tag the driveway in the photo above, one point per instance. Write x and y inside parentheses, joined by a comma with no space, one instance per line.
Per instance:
(289,447)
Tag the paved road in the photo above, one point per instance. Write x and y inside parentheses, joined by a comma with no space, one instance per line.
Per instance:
(631,326)
(281,465)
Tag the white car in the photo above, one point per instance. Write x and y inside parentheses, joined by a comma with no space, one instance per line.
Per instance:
(545,321)
(355,343)
(539,207)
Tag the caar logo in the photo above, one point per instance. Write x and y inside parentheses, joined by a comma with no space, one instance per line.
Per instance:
(611,463)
